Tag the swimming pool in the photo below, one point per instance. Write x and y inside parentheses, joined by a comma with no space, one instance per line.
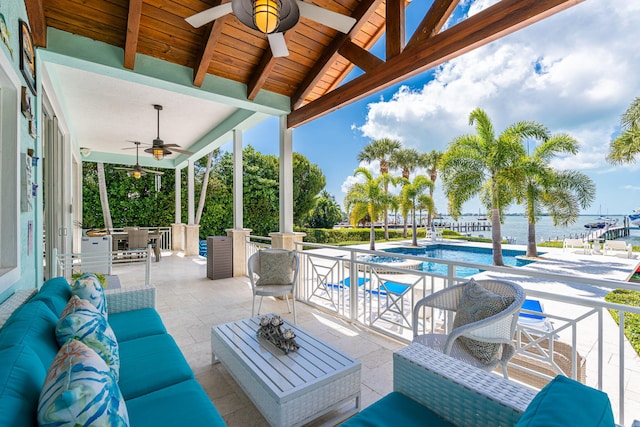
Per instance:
(474,255)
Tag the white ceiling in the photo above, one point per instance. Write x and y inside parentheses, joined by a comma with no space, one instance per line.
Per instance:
(104,113)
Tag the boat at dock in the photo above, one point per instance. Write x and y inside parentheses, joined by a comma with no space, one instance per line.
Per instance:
(634,218)
(603,222)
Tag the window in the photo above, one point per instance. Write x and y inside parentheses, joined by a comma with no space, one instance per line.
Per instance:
(9,178)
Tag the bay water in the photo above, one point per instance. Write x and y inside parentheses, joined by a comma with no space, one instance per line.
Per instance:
(515,227)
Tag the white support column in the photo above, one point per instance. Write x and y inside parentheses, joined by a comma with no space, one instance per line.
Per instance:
(286,177)
(177,229)
(286,238)
(192,231)
(238,205)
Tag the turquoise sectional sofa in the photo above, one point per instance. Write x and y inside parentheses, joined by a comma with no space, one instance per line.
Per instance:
(156,382)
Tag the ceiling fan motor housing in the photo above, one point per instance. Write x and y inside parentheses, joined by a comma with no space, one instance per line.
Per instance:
(288,14)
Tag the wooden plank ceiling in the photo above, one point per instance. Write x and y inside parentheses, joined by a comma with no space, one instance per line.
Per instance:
(320,57)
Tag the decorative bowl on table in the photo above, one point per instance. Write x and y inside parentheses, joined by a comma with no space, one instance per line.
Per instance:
(271,329)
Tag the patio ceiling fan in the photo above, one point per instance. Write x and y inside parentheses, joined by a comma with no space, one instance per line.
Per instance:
(159,149)
(273,17)
(138,171)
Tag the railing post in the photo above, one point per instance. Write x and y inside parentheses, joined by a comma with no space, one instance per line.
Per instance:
(147,266)
(621,382)
(353,288)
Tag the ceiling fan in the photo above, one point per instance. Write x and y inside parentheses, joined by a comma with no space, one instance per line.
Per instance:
(159,149)
(273,17)
(137,171)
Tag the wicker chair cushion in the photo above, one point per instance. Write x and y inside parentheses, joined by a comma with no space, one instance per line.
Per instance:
(477,303)
(275,268)
(566,402)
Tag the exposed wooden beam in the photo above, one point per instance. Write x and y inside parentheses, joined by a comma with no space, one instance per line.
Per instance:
(212,37)
(260,74)
(361,14)
(492,23)
(395,23)
(433,21)
(133,31)
(37,22)
(359,56)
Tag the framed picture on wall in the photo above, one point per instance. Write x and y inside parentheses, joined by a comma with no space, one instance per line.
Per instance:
(27,57)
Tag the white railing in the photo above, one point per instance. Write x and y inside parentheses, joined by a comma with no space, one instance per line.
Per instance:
(384,296)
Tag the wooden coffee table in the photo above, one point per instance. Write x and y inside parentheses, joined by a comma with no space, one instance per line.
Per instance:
(288,389)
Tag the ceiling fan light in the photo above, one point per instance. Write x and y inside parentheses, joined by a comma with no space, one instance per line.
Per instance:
(158,153)
(136,174)
(266,15)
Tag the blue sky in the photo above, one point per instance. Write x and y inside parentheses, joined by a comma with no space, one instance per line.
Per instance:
(575,72)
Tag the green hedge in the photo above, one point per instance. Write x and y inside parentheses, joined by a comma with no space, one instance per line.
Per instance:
(631,321)
(352,236)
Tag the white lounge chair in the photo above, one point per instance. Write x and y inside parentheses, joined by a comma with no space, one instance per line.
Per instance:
(618,245)
(576,243)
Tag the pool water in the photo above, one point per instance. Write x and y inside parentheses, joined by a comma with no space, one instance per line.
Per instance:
(472,255)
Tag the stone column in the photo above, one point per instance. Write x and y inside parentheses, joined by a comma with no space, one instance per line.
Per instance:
(177,237)
(192,240)
(239,243)
(286,240)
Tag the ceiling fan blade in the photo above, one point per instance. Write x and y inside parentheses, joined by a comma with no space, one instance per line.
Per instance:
(180,150)
(153,172)
(199,19)
(278,45)
(337,21)
(124,169)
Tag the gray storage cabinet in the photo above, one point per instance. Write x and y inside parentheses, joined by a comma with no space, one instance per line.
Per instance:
(219,257)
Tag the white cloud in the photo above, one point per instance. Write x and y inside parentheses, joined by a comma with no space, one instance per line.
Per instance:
(575,72)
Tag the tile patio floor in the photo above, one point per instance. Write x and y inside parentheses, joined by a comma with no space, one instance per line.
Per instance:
(190,304)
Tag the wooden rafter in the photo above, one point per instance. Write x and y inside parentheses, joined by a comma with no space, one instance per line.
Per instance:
(395,25)
(492,23)
(133,31)
(434,20)
(259,76)
(212,37)
(360,57)
(37,22)
(361,14)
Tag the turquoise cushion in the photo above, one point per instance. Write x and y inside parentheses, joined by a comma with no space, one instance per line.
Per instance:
(88,287)
(151,363)
(82,321)
(21,378)
(55,293)
(79,391)
(34,325)
(566,402)
(182,404)
(396,409)
(147,321)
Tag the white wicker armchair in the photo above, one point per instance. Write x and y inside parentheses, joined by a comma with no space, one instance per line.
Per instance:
(498,328)
(283,288)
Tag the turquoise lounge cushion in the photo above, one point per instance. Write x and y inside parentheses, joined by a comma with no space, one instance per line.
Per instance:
(55,293)
(566,402)
(21,379)
(80,391)
(82,321)
(33,325)
(147,322)
(396,409)
(88,287)
(181,404)
(150,363)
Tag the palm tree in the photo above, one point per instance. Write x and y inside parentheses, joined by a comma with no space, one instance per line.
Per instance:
(431,162)
(381,150)
(411,191)
(367,198)
(561,193)
(626,146)
(406,160)
(480,165)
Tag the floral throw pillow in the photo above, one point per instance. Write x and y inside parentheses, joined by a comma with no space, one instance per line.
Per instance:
(82,321)
(275,267)
(88,287)
(477,303)
(80,391)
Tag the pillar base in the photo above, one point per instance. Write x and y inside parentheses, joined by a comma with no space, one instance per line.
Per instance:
(192,240)
(286,240)
(177,237)
(239,242)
